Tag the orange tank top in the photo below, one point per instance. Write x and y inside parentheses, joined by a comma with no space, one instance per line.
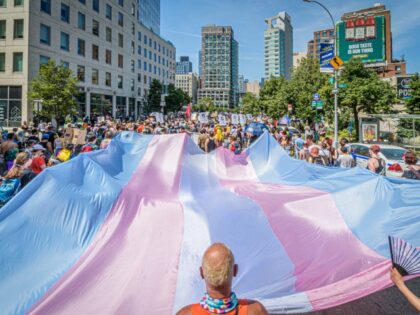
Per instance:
(242,309)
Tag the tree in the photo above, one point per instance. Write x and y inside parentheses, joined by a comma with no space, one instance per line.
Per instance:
(250,104)
(273,97)
(154,97)
(205,104)
(176,99)
(365,92)
(306,81)
(56,86)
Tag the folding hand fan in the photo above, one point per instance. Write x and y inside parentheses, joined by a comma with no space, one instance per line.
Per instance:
(405,257)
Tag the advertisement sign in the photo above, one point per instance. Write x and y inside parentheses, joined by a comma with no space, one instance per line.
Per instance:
(369,132)
(325,55)
(222,120)
(235,119)
(403,87)
(242,119)
(202,117)
(362,37)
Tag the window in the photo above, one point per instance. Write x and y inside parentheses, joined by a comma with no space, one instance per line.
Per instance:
(120,40)
(108,12)
(65,13)
(65,64)
(108,34)
(95,27)
(43,60)
(133,29)
(80,47)
(132,85)
(95,5)
(120,61)
(3,3)
(139,50)
(2,62)
(45,34)
(95,76)
(133,66)
(133,47)
(46,6)
(81,21)
(81,73)
(121,2)
(65,41)
(139,36)
(133,9)
(145,39)
(95,52)
(17,62)
(18,29)
(3,29)
(108,57)
(108,80)
(82,1)
(18,3)
(120,19)
(120,82)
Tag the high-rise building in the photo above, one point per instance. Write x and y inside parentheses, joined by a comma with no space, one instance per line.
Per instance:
(253,87)
(184,65)
(114,57)
(219,65)
(278,39)
(149,14)
(241,85)
(314,45)
(189,84)
(366,34)
(199,64)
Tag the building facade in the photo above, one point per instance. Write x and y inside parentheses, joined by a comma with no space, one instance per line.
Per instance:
(278,40)
(114,57)
(184,65)
(357,24)
(297,58)
(149,14)
(219,66)
(189,84)
(253,87)
(314,45)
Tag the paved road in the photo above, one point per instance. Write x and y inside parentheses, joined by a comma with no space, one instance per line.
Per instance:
(387,302)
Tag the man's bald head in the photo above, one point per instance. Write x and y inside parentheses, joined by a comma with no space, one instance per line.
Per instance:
(218,265)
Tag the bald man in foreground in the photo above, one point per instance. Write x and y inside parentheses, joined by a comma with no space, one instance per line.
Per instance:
(218,269)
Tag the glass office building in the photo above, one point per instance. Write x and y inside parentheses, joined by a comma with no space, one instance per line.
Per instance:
(149,14)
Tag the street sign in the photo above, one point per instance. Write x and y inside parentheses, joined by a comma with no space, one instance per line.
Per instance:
(336,62)
(314,103)
(316,97)
(318,104)
(343,86)
(332,80)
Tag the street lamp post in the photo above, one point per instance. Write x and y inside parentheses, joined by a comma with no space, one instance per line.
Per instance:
(335,91)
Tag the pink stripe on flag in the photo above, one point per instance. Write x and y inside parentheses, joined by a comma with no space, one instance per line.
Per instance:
(315,236)
(131,266)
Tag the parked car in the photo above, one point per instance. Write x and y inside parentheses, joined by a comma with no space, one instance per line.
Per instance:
(393,156)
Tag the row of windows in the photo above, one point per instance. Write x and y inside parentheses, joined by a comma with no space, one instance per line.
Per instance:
(17,29)
(16,3)
(46,6)
(81,23)
(17,62)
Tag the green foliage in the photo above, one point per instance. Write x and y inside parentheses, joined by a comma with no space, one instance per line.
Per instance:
(306,81)
(176,99)
(154,97)
(56,87)
(365,92)
(250,104)
(205,105)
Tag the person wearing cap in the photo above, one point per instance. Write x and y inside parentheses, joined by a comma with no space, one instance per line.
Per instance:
(38,160)
(375,164)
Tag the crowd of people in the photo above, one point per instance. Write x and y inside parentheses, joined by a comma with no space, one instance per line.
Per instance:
(25,152)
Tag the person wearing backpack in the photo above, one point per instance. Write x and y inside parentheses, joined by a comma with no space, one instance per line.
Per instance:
(376,164)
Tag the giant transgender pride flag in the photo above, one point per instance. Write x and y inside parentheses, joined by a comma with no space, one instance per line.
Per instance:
(123,230)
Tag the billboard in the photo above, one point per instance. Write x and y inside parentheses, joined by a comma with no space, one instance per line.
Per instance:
(403,87)
(362,37)
(326,54)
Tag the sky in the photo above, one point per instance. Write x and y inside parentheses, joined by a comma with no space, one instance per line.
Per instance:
(181,22)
